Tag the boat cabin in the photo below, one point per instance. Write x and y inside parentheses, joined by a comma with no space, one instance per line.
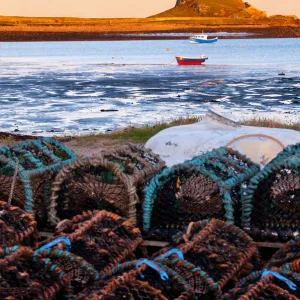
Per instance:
(202,37)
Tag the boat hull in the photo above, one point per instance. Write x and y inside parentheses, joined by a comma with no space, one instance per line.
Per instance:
(183,61)
(189,63)
(203,41)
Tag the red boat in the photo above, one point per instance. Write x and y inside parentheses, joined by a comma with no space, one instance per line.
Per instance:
(191,61)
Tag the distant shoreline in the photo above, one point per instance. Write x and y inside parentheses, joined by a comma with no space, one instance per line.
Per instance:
(128,32)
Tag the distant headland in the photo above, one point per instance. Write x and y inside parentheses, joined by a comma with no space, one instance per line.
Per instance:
(213,8)
(188,16)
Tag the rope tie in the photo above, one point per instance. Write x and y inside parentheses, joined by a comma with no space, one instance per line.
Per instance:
(8,204)
(289,283)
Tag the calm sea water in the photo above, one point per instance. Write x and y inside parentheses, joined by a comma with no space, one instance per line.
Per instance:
(82,87)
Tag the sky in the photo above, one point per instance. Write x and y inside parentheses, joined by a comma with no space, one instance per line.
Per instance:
(119,8)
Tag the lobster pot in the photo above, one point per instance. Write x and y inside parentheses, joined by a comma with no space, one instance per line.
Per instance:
(24,277)
(92,184)
(287,152)
(100,237)
(36,162)
(271,202)
(80,272)
(205,187)
(139,163)
(140,281)
(135,160)
(219,250)
(289,253)
(276,284)
(16,226)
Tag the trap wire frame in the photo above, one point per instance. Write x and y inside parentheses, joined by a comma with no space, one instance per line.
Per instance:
(19,263)
(271,201)
(79,271)
(35,159)
(221,170)
(125,203)
(16,226)
(204,249)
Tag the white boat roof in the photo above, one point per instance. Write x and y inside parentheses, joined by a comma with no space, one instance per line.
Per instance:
(202,36)
(202,56)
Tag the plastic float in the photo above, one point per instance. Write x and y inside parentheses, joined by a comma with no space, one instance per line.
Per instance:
(260,144)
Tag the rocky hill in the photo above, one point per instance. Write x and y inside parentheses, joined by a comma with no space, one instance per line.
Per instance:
(213,8)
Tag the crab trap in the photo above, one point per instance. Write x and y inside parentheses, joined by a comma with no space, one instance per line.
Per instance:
(100,237)
(135,160)
(16,226)
(80,272)
(267,284)
(90,184)
(205,187)
(140,280)
(215,254)
(289,253)
(271,202)
(25,277)
(36,162)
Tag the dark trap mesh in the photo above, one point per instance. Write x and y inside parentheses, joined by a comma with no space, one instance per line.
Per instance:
(135,160)
(207,186)
(219,250)
(127,281)
(37,162)
(92,184)
(101,238)
(289,253)
(276,285)
(25,277)
(271,202)
(80,272)
(16,226)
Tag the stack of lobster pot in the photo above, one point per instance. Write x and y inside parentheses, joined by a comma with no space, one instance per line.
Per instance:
(141,280)
(27,170)
(271,201)
(113,181)
(210,256)
(207,186)
(24,276)
(100,237)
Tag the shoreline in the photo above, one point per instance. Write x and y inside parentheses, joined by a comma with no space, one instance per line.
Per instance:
(101,34)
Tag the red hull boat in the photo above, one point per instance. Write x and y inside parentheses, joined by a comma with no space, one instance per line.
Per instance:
(189,61)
